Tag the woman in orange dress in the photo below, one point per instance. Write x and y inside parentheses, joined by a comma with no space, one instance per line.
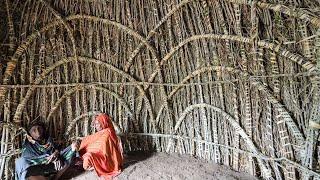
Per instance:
(102,150)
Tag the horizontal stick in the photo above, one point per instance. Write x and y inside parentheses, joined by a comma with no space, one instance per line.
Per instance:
(304,74)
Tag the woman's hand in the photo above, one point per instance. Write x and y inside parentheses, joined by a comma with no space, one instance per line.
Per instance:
(75,145)
(53,157)
(30,139)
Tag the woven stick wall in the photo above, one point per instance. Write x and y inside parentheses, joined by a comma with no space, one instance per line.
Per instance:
(232,81)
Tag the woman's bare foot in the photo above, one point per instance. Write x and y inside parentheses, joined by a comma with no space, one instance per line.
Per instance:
(90,169)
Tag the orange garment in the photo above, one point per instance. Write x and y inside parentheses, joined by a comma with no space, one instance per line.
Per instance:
(102,150)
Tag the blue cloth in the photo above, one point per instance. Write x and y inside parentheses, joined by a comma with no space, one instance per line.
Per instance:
(21,168)
(36,154)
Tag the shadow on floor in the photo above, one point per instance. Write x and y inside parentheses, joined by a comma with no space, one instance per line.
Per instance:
(135,156)
(130,159)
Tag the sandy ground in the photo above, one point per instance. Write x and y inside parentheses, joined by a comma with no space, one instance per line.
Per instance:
(142,166)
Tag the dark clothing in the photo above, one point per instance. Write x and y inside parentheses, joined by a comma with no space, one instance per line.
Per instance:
(37,154)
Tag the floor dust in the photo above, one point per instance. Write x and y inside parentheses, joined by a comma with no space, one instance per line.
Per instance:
(146,166)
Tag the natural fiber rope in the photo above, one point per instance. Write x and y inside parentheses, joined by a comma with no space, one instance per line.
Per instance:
(304,74)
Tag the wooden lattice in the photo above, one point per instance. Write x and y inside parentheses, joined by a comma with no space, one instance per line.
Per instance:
(232,81)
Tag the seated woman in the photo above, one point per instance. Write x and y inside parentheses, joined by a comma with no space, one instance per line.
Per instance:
(102,151)
(39,151)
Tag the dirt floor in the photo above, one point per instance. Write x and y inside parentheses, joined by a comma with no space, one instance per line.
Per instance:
(146,166)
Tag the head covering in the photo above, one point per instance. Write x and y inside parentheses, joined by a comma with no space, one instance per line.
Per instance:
(44,135)
(106,124)
(104,120)
(102,150)
(36,123)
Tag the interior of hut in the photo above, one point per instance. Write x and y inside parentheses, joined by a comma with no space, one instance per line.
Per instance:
(223,89)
